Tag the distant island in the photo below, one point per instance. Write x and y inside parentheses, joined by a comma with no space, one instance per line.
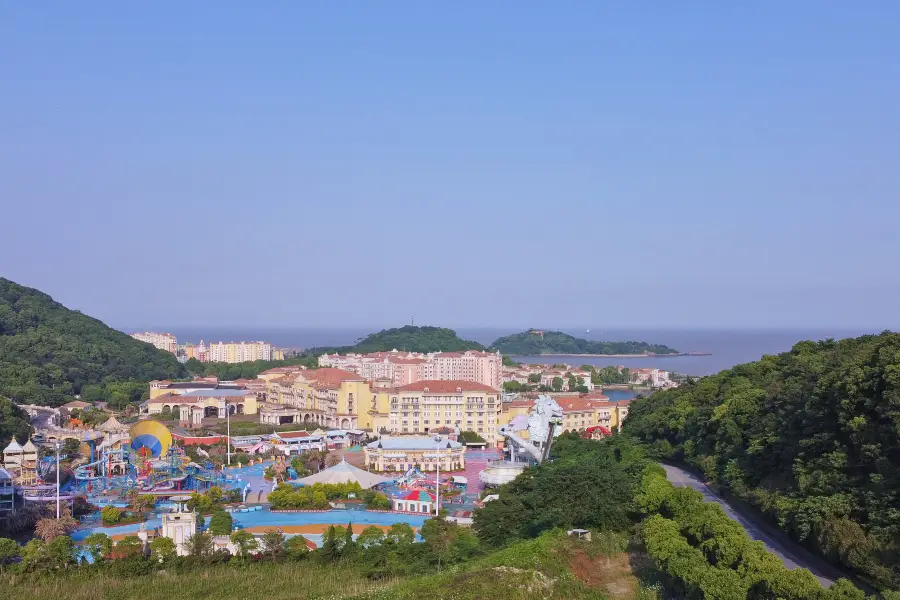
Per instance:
(536,341)
(410,338)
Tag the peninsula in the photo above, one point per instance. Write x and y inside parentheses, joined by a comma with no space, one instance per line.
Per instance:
(536,342)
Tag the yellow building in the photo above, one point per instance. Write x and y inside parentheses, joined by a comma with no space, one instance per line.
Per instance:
(328,397)
(426,406)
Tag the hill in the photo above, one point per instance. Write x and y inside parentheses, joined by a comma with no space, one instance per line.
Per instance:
(409,338)
(810,437)
(532,342)
(49,353)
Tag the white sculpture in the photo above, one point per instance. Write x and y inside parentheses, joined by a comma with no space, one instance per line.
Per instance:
(546,412)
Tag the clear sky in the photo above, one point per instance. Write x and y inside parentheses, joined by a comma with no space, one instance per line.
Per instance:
(497,163)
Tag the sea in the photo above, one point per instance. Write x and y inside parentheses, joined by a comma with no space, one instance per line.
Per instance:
(725,348)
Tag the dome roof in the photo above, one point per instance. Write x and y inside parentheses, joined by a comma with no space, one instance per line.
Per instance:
(13,446)
(29,446)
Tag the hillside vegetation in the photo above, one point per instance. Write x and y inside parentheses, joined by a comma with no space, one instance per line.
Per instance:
(409,338)
(49,353)
(556,342)
(810,437)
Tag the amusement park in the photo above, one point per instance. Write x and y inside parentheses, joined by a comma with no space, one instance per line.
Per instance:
(142,480)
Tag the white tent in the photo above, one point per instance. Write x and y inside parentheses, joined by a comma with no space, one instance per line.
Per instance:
(112,425)
(344,472)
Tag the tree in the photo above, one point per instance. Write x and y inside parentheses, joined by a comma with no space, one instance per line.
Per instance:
(130,546)
(401,533)
(162,549)
(99,545)
(513,387)
(534,378)
(273,543)
(200,545)
(370,536)
(296,548)
(220,523)
(557,384)
(61,551)
(71,447)
(49,528)
(9,551)
(244,542)
(143,503)
(35,556)
(110,515)
(13,420)
(439,535)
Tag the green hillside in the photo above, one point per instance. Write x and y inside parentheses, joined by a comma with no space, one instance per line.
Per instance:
(409,338)
(530,343)
(810,437)
(49,353)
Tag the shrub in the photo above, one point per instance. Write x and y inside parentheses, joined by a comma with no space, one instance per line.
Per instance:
(110,515)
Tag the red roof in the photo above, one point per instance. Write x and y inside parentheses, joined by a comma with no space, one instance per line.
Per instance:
(331,376)
(447,386)
(419,496)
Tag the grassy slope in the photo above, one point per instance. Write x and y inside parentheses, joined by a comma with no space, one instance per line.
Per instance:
(551,566)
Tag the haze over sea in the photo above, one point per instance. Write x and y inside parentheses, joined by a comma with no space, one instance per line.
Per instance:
(726,347)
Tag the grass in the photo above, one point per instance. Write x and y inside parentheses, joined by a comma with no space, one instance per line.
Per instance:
(551,566)
(268,581)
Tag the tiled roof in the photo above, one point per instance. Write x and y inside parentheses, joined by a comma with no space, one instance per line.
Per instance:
(330,376)
(444,386)
(290,435)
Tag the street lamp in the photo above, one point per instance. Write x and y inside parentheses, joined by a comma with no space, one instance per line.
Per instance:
(56,446)
(437,464)
(227,433)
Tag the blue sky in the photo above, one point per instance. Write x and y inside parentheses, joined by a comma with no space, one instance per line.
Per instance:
(501,163)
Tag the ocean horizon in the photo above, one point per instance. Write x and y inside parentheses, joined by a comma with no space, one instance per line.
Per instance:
(727,347)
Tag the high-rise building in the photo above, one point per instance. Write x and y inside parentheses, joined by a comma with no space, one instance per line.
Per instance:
(163,341)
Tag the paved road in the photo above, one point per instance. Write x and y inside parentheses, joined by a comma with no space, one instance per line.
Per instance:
(790,556)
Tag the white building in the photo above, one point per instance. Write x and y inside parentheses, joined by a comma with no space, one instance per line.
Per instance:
(163,341)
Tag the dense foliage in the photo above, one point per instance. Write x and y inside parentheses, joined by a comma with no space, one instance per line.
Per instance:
(411,338)
(317,496)
(245,370)
(49,353)
(556,342)
(589,485)
(709,555)
(13,422)
(810,437)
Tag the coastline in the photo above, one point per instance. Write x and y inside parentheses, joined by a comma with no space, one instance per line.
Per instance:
(619,355)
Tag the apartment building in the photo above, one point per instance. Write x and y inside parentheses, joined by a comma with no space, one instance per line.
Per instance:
(163,341)
(404,368)
(235,352)
(430,405)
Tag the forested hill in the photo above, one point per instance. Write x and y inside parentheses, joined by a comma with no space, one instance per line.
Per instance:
(811,437)
(49,353)
(533,342)
(409,338)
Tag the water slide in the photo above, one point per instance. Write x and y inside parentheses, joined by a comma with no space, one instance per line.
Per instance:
(93,470)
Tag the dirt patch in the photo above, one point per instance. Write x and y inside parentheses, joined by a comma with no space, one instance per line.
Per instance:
(612,574)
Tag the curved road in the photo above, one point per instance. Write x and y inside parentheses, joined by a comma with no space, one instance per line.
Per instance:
(790,555)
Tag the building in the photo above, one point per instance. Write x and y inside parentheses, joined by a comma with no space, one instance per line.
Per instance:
(580,413)
(21,462)
(404,368)
(7,493)
(163,341)
(191,408)
(179,524)
(328,397)
(402,453)
(417,501)
(236,352)
(429,405)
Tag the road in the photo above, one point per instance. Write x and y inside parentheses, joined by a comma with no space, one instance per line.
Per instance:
(790,555)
